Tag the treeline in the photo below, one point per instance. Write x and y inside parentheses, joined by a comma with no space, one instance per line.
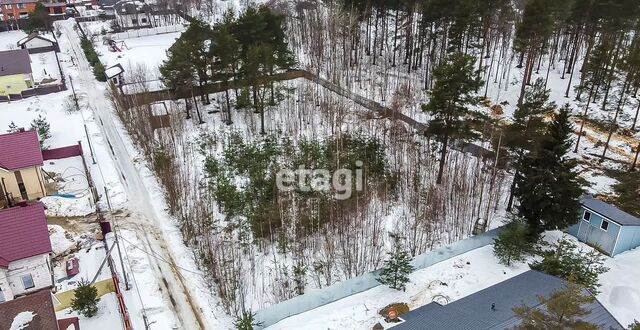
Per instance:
(246,48)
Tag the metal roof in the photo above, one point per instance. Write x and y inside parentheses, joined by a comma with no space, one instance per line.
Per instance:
(40,304)
(14,62)
(23,233)
(474,311)
(20,150)
(609,211)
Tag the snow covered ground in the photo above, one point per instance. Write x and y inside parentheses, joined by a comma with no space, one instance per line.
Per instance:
(464,275)
(148,52)
(448,280)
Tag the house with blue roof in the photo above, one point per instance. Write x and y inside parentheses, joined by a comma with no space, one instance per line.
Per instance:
(606,227)
(492,308)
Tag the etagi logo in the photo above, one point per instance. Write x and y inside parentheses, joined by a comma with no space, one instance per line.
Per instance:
(342,182)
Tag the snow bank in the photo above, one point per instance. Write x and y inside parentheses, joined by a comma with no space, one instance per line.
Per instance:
(22,320)
(67,207)
(59,241)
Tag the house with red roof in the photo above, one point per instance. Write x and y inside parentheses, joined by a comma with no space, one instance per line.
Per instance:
(25,252)
(21,174)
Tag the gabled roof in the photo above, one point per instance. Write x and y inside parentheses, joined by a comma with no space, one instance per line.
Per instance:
(474,311)
(23,233)
(39,307)
(33,35)
(20,150)
(15,61)
(609,211)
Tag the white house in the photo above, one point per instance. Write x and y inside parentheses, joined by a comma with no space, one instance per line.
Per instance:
(25,248)
(35,43)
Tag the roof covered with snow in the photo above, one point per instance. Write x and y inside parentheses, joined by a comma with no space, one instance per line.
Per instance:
(20,150)
(114,71)
(15,61)
(31,312)
(474,311)
(609,211)
(33,35)
(23,233)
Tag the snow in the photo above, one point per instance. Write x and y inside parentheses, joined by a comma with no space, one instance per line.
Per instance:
(149,51)
(22,320)
(67,207)
(620,290)
(44,66)
(9,39)
(60,243)
(108,317)
(449,280)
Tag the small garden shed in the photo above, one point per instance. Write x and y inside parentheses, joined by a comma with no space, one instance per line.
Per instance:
(606,227)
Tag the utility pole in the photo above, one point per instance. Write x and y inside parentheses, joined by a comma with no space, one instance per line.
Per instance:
(115,230)
(86,131)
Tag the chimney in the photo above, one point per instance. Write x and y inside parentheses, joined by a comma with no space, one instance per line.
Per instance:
(21,129)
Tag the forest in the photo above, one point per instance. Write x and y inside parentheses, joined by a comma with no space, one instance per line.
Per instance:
(519,103)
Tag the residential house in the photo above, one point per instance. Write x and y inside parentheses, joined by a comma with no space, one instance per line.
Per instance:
(13,10)
(492,308)
(32,312)
(35,43)
(606,227)
(15,72)
(21,174)
(132,14)
(25,248)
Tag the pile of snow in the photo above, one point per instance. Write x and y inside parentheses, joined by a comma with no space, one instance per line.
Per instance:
(57,206)
(22,320)
(59,241)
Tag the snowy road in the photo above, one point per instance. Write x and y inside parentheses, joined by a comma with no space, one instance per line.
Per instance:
(139,199)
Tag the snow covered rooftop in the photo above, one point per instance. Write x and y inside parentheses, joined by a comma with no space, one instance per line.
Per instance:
(33,311)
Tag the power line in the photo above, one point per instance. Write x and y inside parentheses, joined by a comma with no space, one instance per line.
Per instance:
(159,257)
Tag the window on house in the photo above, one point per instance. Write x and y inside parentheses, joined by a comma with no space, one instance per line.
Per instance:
(587,216)
(134,21)
(143,20)
(2,298)
(27,281)
(22,5)
(604,225)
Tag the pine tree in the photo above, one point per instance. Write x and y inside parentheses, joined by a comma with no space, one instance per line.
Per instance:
(450,102)
(225,47)
(549,188)
(528,127)
(85,299)
(13,128)
(513,244)
(38,20)
(41,125)
(565,260)
(397,267)
(564,309)
(247,321)
(532,34)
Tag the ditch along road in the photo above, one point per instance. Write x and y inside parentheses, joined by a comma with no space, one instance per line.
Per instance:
(148,222)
